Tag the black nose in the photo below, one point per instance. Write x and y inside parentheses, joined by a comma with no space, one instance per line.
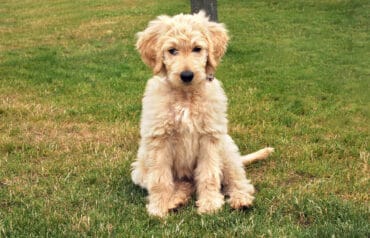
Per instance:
(186,76)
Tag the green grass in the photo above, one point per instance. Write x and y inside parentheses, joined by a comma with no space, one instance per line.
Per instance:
(297,76)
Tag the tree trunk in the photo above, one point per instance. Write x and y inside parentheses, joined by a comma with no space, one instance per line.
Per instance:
(209,6)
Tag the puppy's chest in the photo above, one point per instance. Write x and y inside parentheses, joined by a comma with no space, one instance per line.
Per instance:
(186,128)
(187,118)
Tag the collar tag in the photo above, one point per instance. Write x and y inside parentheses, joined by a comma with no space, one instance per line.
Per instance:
(210,77)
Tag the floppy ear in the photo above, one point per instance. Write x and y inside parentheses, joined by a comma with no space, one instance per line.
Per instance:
(218,39)
(148,44)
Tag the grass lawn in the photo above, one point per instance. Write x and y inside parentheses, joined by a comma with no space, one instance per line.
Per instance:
(297,74)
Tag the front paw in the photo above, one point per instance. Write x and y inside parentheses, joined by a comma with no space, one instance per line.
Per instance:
(210,203)
(155,209)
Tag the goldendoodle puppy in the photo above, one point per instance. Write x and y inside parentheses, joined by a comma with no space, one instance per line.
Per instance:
(184,143)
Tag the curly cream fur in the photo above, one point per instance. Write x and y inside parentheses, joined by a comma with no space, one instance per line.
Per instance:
(184,143)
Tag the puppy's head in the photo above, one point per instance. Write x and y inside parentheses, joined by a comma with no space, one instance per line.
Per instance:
(184,48)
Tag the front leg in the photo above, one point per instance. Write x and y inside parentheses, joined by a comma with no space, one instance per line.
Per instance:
(208,176)
(160,179)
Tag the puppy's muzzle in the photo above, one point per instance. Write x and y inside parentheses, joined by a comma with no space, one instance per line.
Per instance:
(187,76)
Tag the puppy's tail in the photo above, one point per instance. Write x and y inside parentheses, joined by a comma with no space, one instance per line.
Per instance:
(258,155)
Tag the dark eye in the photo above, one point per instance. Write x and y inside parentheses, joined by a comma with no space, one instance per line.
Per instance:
(173,51)
(197,49)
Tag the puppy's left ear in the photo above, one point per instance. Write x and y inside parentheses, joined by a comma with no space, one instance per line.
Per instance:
(218,39)
(148,44)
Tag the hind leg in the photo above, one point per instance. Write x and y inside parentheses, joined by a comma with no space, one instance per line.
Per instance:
(183,192)
(236,185)
(239,190)
(139,170)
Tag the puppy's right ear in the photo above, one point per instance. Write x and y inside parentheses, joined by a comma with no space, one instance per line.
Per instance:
(148,44)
